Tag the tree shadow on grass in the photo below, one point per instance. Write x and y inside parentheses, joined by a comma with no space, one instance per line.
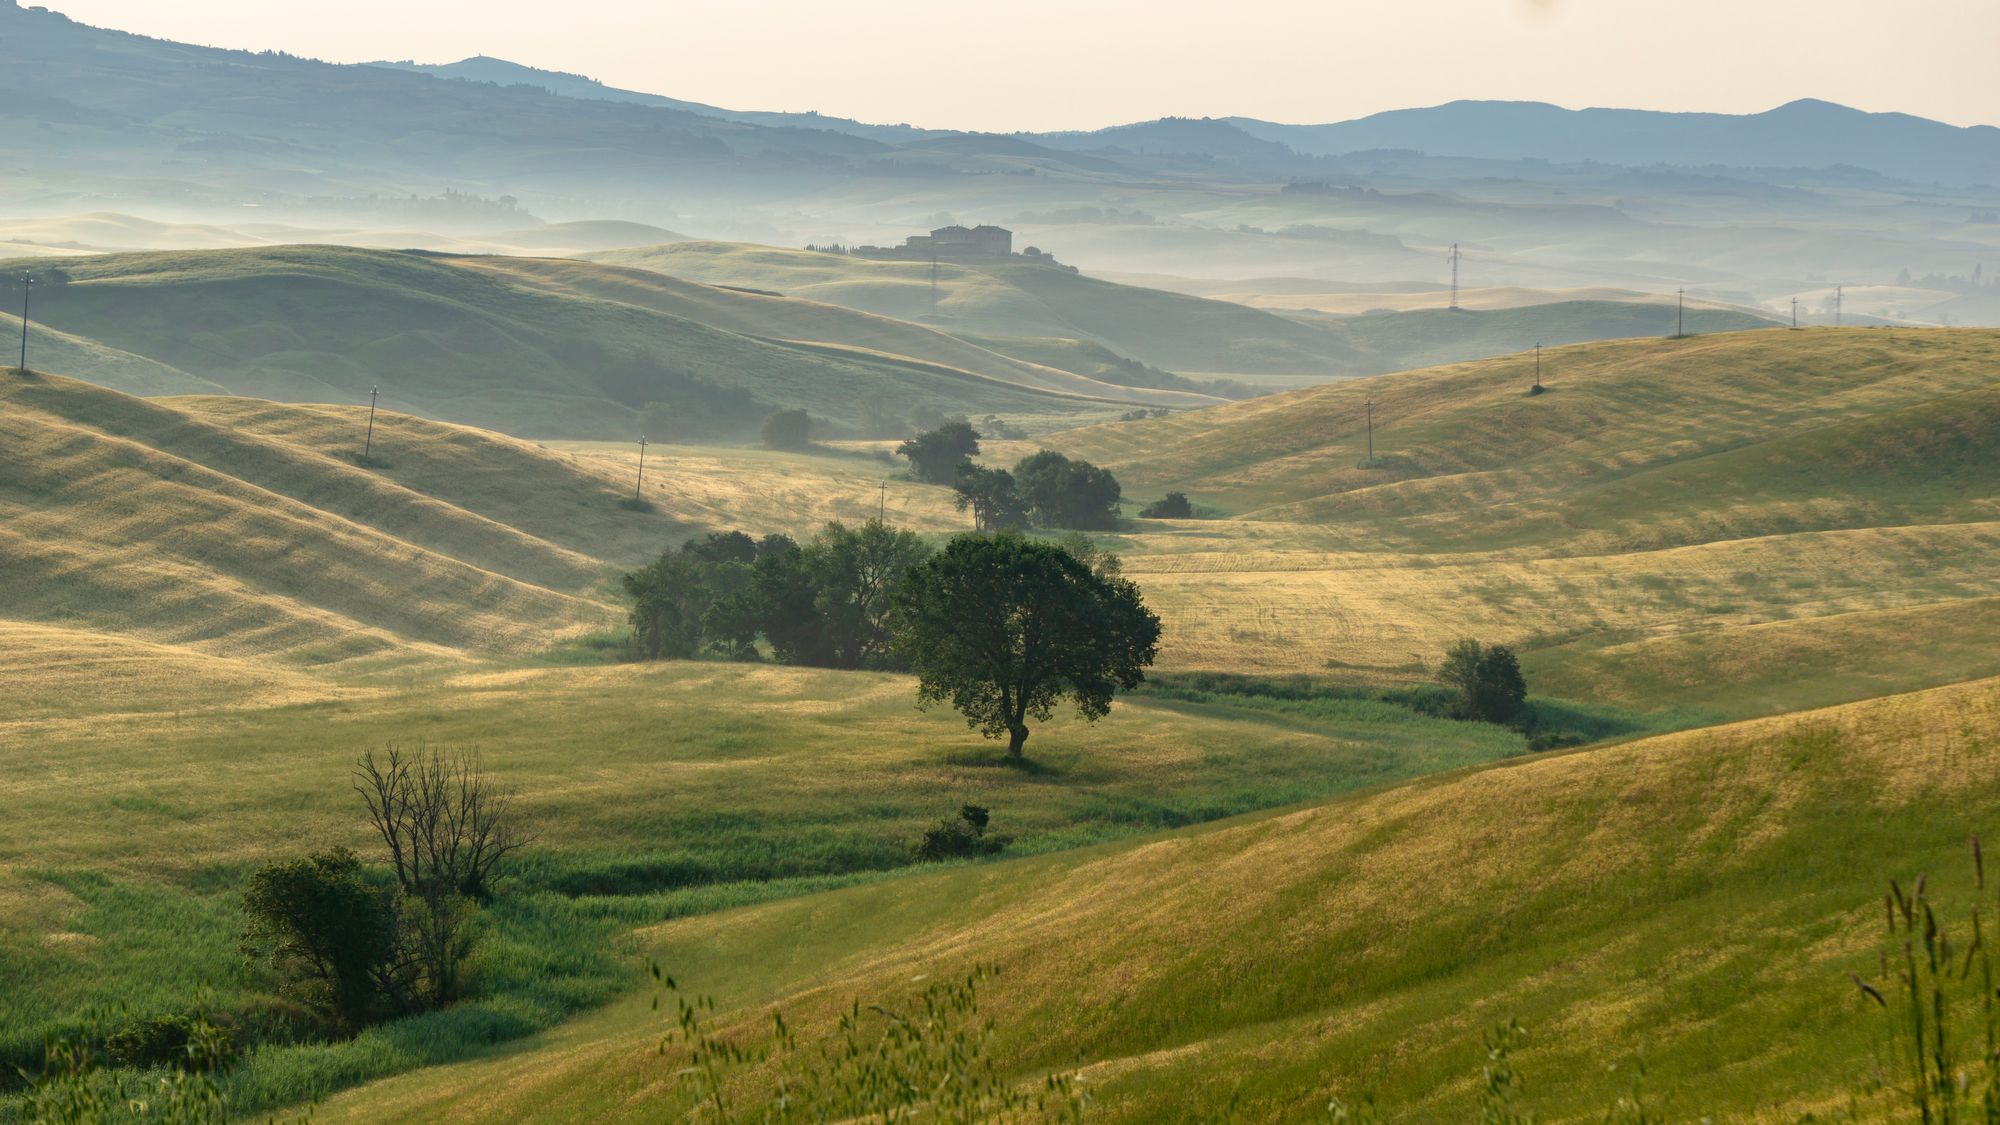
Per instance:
(997,758)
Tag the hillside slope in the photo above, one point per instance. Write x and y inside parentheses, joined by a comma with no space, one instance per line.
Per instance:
(242,529)
(1000,299)
(1673,523)
(1635,442)
(555,350)
(1256,969)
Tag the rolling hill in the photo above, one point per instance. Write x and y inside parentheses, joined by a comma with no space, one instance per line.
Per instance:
(1002,299)
(1676,522)
(1701,900)
(236,529)
(550,349)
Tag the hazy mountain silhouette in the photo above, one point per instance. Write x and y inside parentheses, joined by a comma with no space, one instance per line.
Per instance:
(1800,134)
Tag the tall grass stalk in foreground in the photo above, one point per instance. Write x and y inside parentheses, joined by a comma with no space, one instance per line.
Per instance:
(924,1061)
(1928,983)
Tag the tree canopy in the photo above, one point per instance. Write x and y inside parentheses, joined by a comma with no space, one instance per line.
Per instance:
(935,456)
(1486,682)
(824,603)
(788,430)
(992,495)
(1005,628)
(1060,492)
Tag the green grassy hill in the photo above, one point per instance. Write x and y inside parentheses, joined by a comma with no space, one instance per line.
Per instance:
(1700,900)
(1000,299)
(560,350)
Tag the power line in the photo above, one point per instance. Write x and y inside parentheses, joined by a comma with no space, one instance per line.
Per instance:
(27,283)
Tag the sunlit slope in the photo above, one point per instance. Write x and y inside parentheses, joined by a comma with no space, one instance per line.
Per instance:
(319,324)
(764,316)
(1636,443)
(245,529)
(1733,525)
(1701,898)
(1168,330)
(51,350)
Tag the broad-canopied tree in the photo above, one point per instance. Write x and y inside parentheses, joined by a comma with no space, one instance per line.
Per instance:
(1005,628)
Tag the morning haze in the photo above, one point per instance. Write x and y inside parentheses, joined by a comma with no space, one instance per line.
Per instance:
(571,573)
(1056,64)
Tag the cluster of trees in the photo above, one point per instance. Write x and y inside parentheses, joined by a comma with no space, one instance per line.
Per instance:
(1485,683)
(1046,489)
(789,430)
(1003,628)
(357,943)
(823,603)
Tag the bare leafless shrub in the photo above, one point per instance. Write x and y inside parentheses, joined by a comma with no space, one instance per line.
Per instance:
(447,829)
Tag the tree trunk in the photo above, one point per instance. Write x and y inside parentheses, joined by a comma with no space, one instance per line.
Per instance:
(1016,735)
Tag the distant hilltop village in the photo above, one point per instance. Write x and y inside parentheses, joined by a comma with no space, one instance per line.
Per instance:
(954,243)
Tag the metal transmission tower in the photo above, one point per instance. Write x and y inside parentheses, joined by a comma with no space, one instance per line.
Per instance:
(368,447)
(1453,256)
(27,283)
(638,488)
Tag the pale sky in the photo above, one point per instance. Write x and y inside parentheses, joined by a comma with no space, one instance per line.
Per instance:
(1073,64)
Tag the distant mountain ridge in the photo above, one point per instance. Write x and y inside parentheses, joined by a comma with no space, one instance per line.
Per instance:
(1807,133)
(503,72)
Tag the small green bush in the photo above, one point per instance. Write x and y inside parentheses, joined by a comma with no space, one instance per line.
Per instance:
(960,838)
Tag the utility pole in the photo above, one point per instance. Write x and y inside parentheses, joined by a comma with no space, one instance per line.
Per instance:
(1795,312)
(1453,258)
(1680,313)
(27,283)
(1371,431)
(1538,369)
(640,487)
(1838,299)
(368,447)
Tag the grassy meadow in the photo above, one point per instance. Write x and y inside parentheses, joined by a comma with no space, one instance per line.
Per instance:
(1231,899)
(1699,899)
(652,792)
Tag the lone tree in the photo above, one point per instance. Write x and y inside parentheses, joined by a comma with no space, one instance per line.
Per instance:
(1486,681)
(788,430)
(1005,628)
(935,456)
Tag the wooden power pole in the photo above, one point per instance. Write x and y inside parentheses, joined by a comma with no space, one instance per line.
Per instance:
(27,283)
